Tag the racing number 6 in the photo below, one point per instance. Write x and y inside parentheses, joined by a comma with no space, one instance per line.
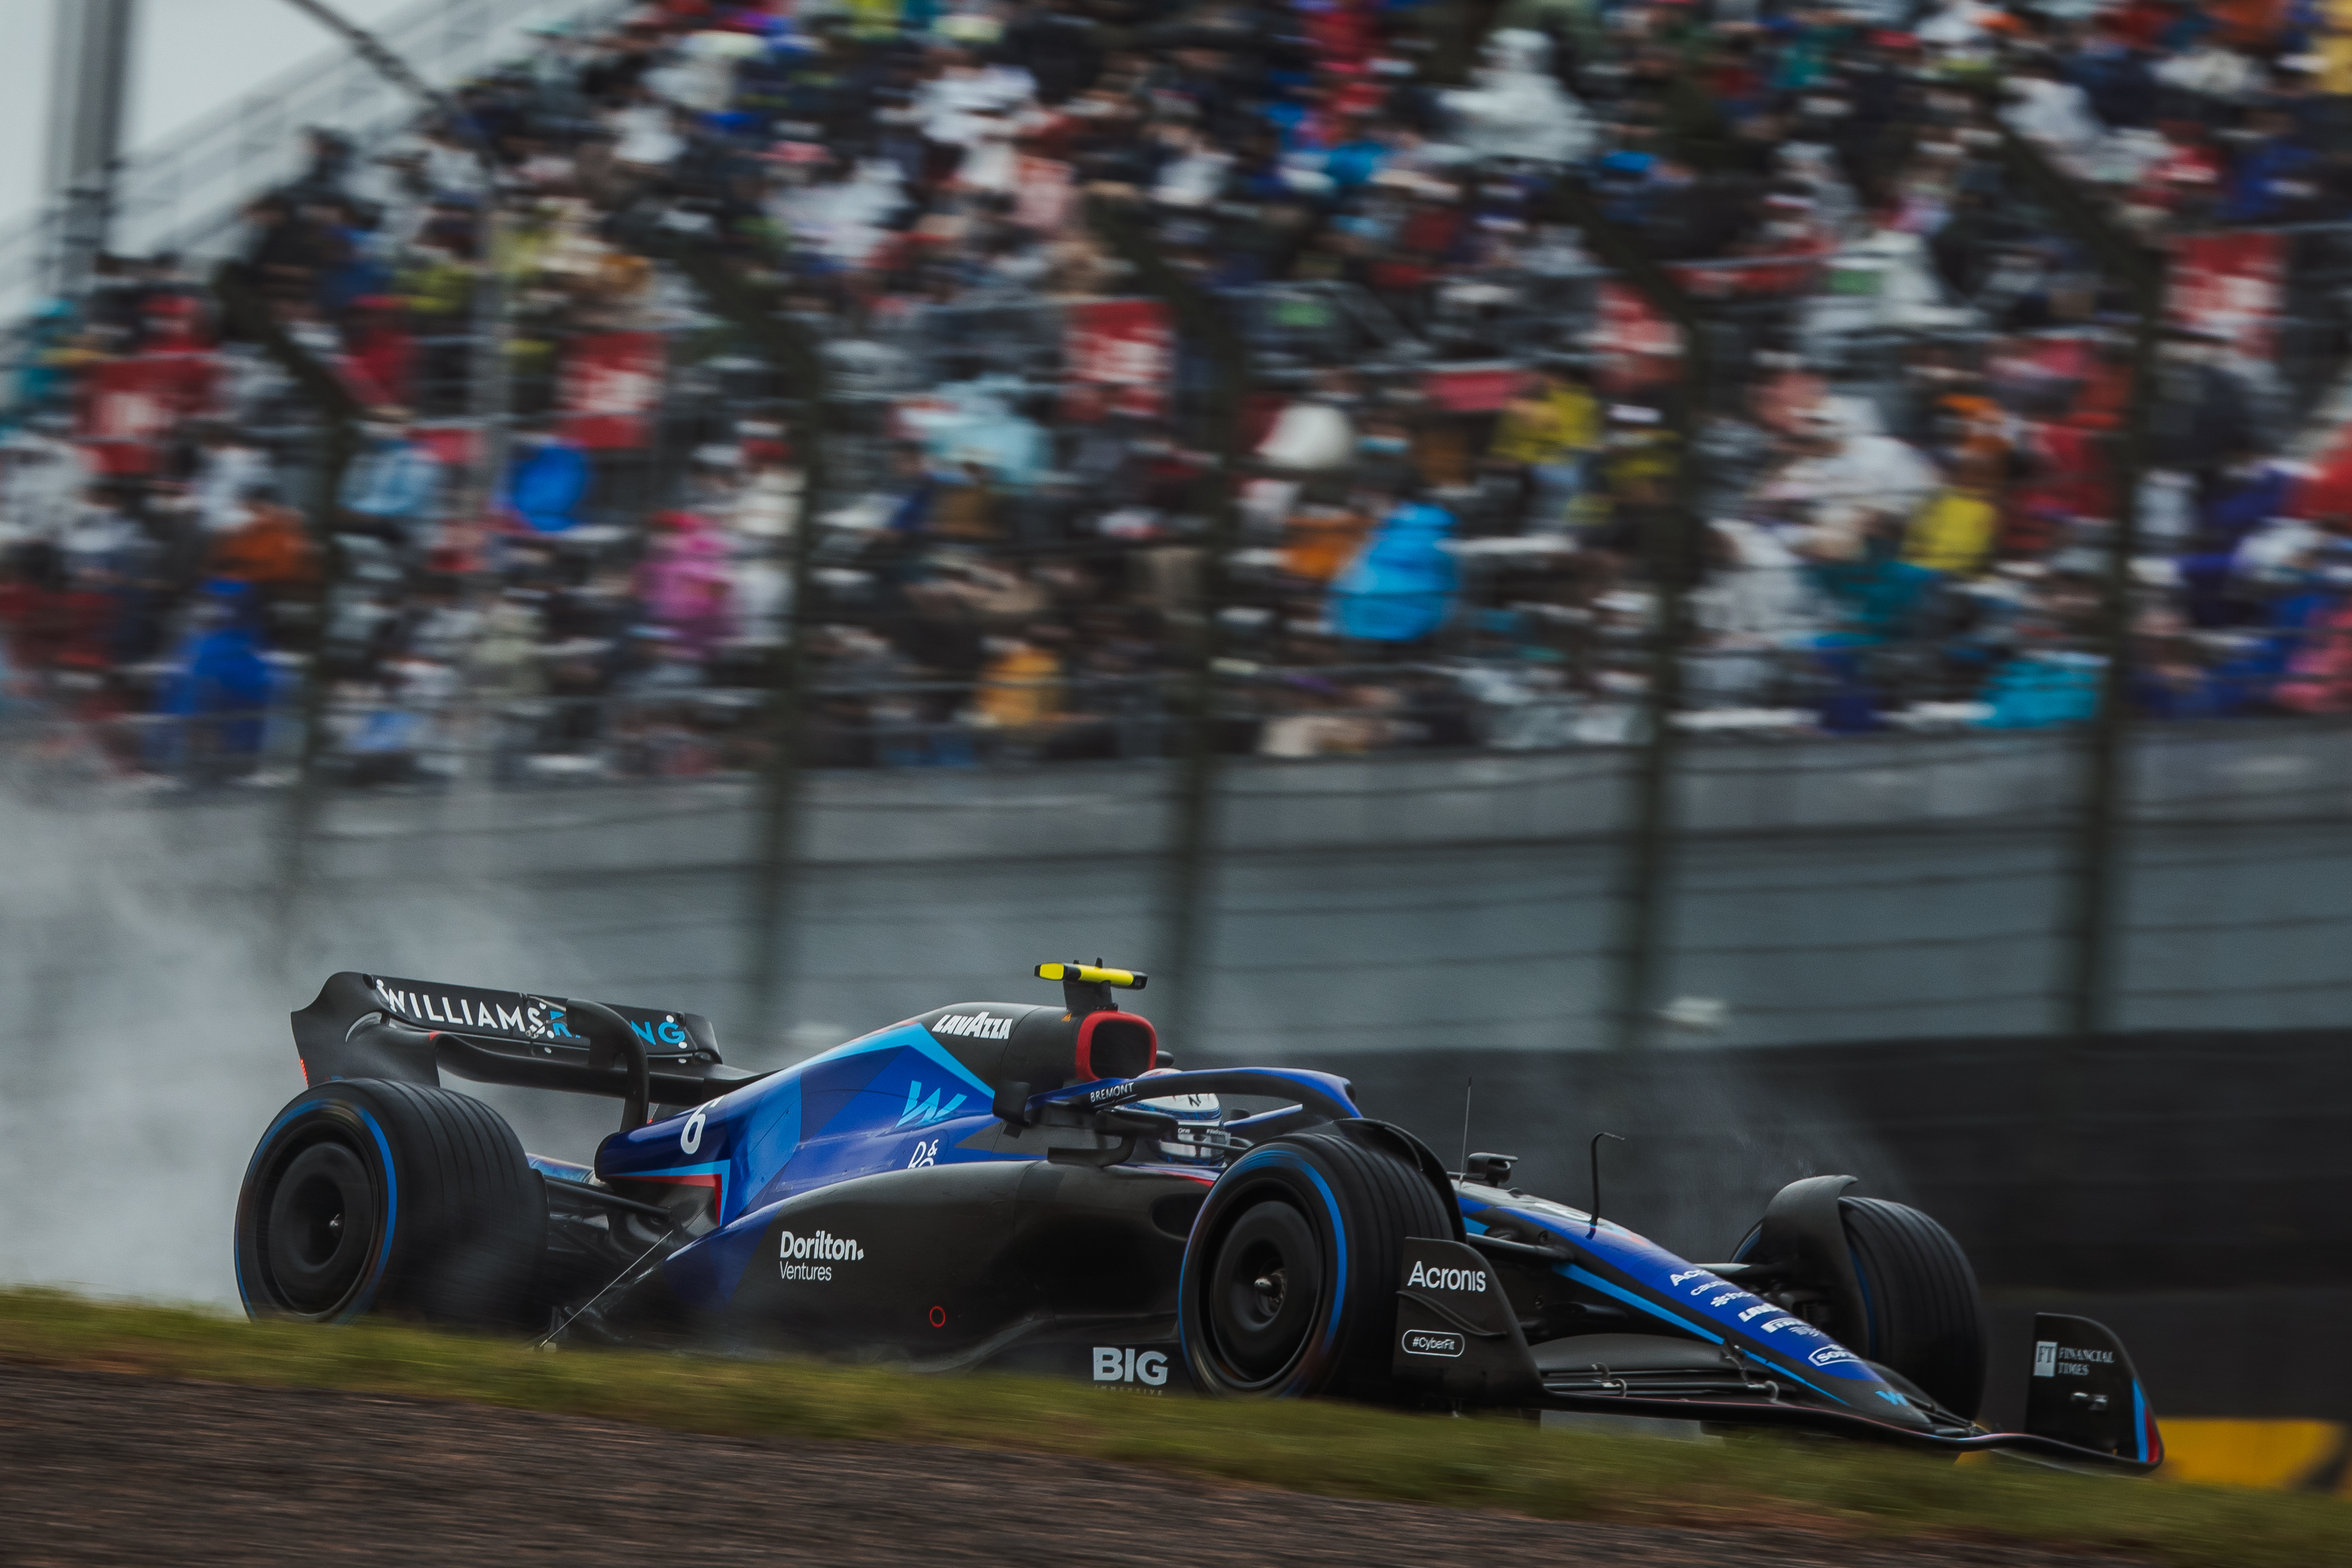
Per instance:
(689,1137)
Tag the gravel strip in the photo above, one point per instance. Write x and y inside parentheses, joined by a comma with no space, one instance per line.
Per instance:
(102,1469)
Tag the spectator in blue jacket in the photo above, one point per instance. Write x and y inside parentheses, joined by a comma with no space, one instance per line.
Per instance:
(391,488)
(221,692)
(1400,587)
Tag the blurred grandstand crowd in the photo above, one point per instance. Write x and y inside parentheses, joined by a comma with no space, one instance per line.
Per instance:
(1465,436)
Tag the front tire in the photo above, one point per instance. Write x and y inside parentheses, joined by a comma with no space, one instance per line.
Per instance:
(1290,1274)
(1925,1315)
(372,1197)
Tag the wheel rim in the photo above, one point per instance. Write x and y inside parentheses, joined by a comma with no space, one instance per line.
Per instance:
(318,1228)
(1263,1291)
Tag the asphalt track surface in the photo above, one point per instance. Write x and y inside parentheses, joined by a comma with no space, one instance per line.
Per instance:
(101,1469)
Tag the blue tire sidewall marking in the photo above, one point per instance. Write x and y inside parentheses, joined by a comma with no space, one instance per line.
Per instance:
(1869,1304)
(1339,1236)
(391,1195)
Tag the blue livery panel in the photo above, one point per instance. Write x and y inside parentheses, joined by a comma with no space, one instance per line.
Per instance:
(1673,1294)
(892,1100)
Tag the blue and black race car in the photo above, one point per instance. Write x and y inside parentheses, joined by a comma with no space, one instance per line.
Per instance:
(1037,1187)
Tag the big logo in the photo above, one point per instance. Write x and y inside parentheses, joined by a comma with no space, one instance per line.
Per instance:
(1114,1363)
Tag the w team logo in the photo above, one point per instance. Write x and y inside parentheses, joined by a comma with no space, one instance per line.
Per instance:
(922,1112)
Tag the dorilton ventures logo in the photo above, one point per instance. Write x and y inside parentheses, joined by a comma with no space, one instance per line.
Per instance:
(812,1257)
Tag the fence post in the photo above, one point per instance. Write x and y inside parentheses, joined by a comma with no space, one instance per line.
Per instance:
(2039,1211)
(250,318)
(1639,895)
(490,394)
(2089,917)
(1185,904)
(755,308)
(2093,911)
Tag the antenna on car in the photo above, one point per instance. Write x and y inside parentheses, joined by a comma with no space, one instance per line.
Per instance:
(1465,1124)
(1594,1218)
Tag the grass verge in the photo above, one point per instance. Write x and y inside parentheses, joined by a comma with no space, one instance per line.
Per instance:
(1333,1449)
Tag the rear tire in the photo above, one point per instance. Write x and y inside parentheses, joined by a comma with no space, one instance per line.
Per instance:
(1290,1275)
(371,1197)
(1926,1319)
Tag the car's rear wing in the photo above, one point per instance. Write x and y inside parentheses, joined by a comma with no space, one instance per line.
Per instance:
(411,1031)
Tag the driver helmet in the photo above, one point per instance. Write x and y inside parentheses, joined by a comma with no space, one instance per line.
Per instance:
(1201,1109)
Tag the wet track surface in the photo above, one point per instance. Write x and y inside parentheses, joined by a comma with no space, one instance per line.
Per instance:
(98,1469)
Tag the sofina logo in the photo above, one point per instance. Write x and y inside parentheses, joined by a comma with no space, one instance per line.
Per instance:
(922,1112)
(1829,1355)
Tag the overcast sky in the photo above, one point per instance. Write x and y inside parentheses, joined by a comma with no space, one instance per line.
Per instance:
(191,56)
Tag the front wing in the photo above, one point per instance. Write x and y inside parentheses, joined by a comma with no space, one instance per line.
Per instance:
(1459,1338)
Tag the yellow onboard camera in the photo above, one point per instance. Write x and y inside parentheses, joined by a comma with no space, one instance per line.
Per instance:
(1092,974)
(1086,987)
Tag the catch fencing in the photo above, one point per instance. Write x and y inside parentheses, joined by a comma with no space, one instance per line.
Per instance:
(1797,835)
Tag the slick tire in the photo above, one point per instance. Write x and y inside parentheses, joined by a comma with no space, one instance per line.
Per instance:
(1926,1316)
(372,1197)
(1290,1278)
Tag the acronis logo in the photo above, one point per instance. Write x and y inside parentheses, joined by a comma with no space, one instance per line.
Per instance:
(922,1112)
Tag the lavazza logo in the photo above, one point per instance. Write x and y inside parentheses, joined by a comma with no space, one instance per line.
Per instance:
(977,1026)
(812,1257)
(1472,1280)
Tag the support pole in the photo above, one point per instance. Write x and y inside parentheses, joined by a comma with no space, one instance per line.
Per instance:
(1185,903)
(490,379)
(2095,907)
(250,318)
(1644,866)
(755,308)
(2040,1211)
(2091,897)
(89,76)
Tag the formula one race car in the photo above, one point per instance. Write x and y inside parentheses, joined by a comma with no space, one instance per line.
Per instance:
(1005,1186)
